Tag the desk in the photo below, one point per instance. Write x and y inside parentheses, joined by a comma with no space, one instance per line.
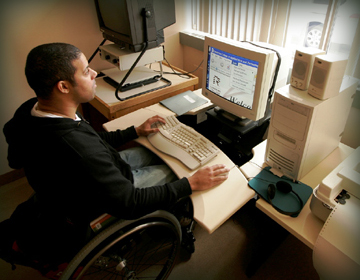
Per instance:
(109,106)
(211,207)
(306,227)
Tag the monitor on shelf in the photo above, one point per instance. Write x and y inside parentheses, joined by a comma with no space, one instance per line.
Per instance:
(238,76)
(122,21)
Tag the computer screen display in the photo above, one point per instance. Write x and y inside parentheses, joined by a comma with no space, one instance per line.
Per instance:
(238,76)
(232,77)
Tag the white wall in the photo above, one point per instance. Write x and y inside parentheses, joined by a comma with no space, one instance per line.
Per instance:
(25,24)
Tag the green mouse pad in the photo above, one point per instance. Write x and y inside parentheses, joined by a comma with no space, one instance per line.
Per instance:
(286,202)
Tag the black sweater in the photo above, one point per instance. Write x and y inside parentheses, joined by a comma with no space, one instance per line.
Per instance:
(76,171)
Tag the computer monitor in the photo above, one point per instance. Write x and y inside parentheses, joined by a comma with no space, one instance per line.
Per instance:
(238,76)
(122,21)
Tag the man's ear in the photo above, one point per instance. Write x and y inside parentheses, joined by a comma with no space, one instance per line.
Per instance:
(63,86)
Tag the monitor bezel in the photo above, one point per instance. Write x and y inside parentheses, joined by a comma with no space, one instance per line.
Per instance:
(263,56)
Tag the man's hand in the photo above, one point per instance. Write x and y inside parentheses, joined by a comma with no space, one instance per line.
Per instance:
(208,177)
(145,129)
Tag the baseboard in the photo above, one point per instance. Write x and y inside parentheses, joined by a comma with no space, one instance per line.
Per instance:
(11,176)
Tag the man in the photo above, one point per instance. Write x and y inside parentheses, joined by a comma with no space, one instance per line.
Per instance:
(76,173)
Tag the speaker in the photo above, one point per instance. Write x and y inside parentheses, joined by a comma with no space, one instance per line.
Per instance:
(326,78)
(303,66)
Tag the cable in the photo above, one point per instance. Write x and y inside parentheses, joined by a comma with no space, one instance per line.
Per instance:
(268,170)
(182,75)
(272,88)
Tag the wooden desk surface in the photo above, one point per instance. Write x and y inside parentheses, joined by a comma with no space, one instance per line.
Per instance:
(306,227)
(108,105)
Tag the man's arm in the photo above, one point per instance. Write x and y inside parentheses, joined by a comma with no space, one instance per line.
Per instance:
(119,137)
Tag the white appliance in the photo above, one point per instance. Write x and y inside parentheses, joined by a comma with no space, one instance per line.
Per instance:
(336,201)
(341,184)
(304,130)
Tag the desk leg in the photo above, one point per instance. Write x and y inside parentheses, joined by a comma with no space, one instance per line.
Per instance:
(269,236)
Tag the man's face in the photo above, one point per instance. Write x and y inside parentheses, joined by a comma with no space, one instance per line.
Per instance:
(84,89)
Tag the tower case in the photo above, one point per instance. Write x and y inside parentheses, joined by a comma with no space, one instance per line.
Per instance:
(304,130)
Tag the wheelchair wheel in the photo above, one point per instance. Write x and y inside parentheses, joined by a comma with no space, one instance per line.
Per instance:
(146,249)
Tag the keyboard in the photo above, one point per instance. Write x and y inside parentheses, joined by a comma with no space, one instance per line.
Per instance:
(183,142)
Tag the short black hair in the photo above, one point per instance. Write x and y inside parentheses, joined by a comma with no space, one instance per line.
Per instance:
(48,64)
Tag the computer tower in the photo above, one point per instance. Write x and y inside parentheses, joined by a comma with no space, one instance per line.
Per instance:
(304,130)
(303,66)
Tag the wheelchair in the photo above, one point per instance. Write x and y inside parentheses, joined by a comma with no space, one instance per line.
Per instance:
(142,249)
(145,248)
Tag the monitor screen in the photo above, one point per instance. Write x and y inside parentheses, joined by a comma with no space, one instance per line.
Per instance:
(231,76)
(122,21)
(238,76)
